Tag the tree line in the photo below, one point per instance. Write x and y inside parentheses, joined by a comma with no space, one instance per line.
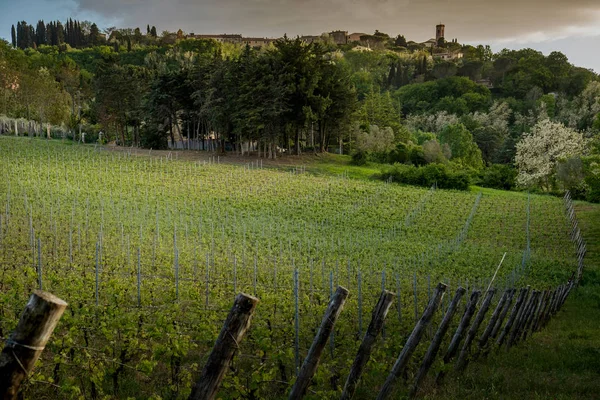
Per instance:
(390,105)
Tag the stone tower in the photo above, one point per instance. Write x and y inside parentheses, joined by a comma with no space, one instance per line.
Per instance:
(439,32)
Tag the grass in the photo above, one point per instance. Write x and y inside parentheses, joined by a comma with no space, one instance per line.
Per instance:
(334,164)
(562,361)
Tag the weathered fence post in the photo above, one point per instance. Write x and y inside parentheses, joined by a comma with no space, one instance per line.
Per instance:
(234,329)
(505,309)
(26,343)
(512,317)
(532,314)
(545,300)
(520,317)
(364,352)
(412,342)
(488,330)
(311,362)
(462,361)
(437,340)
(464,323)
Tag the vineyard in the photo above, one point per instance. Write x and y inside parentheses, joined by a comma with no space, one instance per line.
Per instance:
(150,252)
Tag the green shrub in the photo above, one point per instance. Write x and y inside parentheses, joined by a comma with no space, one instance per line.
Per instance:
(498,176)
(428,175)
(359,158)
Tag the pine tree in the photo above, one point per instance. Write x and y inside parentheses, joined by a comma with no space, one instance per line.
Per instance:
(13,36)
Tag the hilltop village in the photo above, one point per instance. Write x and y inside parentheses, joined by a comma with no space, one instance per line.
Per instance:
(438,45)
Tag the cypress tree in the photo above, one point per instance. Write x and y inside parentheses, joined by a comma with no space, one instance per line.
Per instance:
(13,36)
(153,31)
(60,33)
(148,29)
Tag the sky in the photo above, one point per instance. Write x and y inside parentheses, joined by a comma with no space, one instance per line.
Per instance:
(570,26)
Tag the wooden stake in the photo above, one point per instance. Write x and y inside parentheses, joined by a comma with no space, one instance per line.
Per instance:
(460,331)
(512,317)
(364,352)
(514,335)
(500,320)
(462,361)
(488,330)
(234,329)
(311,362)
(412,342)
(437,340)
(26,343)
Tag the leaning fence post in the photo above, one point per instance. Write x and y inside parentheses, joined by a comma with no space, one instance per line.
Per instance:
(488,330)
(520,316)
(505,309)
(464,324)
(462,361)
(364,352)
(28,340)
(234,329)
(513,315)
(412,342)
(309,366)
(437,340)
(530,316)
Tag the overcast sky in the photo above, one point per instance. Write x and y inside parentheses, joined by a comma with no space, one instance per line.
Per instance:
(570,26)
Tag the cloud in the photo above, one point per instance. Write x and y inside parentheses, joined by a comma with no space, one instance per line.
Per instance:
(467,20)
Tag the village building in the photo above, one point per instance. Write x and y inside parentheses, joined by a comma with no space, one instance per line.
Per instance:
(355,37)
(339,37)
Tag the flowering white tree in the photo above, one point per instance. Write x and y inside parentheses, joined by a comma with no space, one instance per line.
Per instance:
(376,140)
(539,151)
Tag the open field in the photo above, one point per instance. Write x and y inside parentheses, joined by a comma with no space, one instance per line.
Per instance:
(149,253)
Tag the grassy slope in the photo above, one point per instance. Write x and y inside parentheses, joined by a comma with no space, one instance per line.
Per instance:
(561,362)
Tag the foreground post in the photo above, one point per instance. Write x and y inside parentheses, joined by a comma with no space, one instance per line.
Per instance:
(412,342)
(311,362)
(234,329)
(364,351)
(437,340)
(26,343)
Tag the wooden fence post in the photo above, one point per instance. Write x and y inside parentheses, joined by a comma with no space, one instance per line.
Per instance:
(519,318)
(488,330)
(232,333)
(462,361)
(460,331)
(540,316)
(364,351)
(532,315)
(412,342)
(437,340)
(311,362)
(26,343)
(500,320)
(512,317)
(547,310)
